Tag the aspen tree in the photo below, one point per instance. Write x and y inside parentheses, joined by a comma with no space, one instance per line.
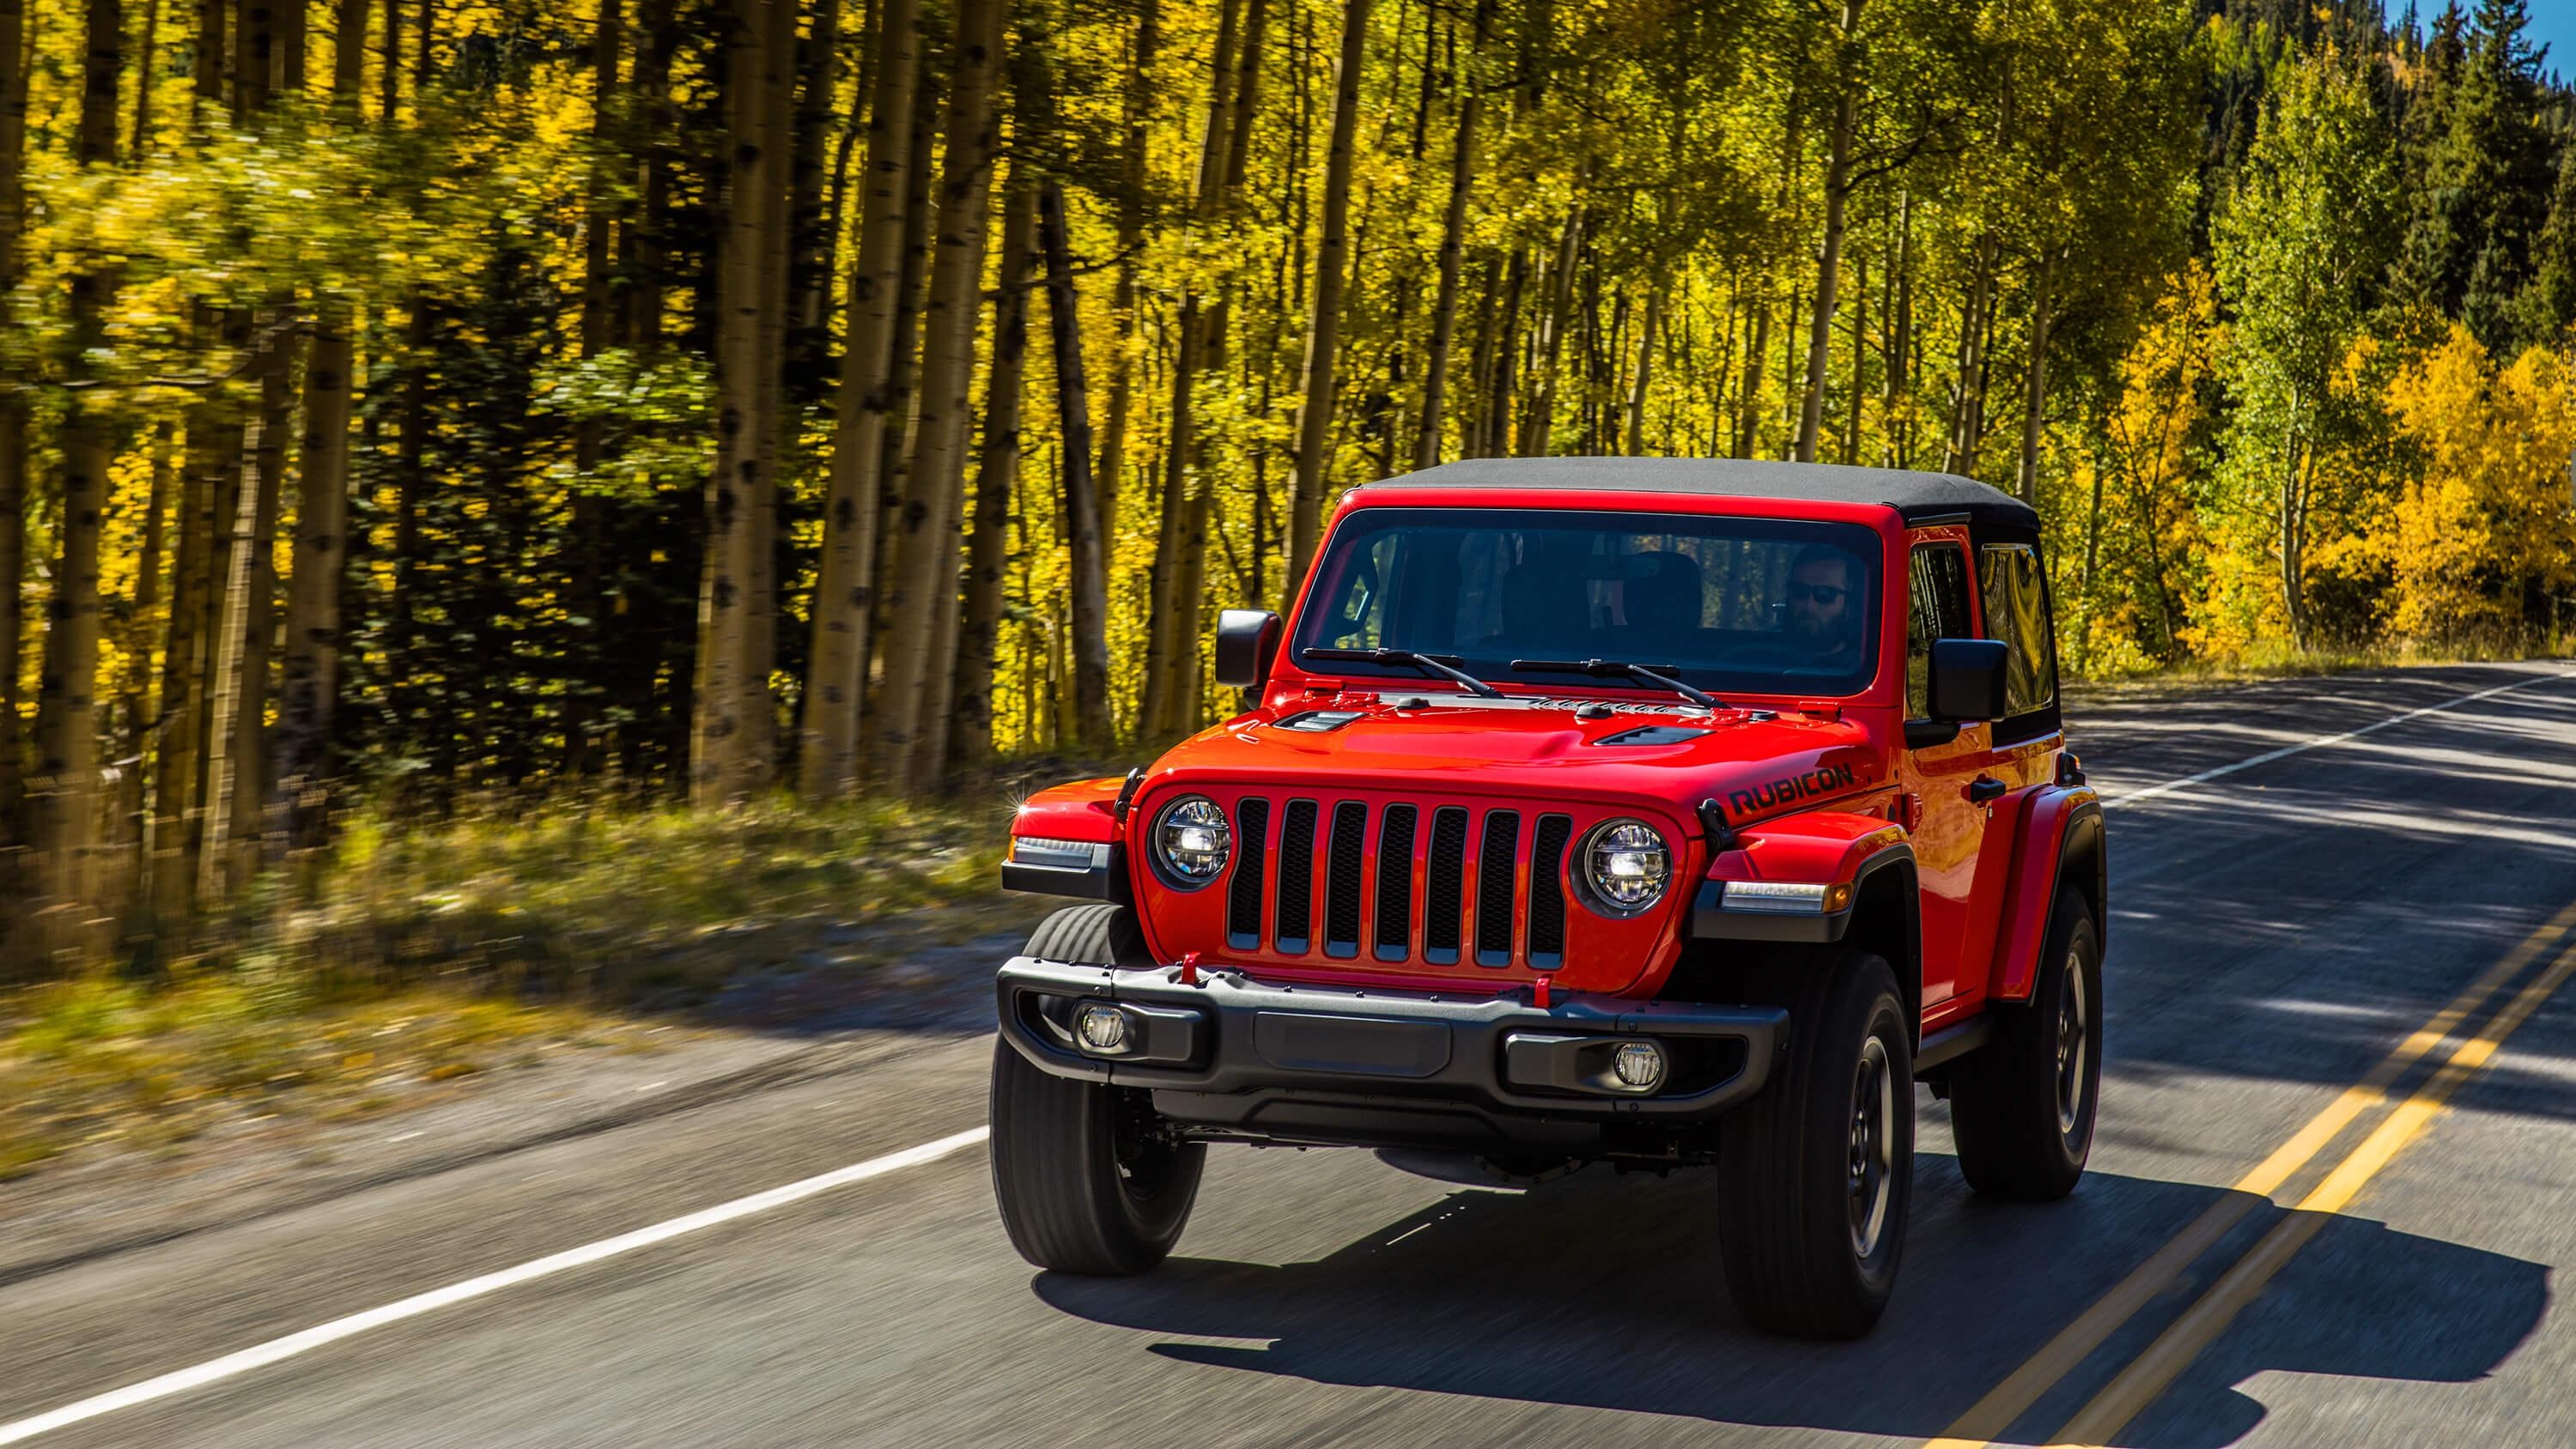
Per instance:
(1168,644)
(996,477)
(1324,319)
(1838,182)
(829,756)
(727,744)
(1138,100)
(64,792)
(310,684)
(1453,244)
(922,607)
(1088,608)
(13,407)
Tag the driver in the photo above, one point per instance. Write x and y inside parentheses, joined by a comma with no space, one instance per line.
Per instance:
(1824,610)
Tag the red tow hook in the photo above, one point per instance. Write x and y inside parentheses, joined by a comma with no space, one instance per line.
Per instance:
(1190,968)
(1538,992)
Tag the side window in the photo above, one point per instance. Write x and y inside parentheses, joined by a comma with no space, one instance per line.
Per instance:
(1938,582)
(2017,613)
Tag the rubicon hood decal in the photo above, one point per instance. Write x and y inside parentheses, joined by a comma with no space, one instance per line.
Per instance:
(1771,795)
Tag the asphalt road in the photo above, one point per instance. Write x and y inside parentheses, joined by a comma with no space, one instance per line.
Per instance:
(2278,930)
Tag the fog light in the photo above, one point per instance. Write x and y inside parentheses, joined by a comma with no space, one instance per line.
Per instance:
(1639,1065)
(1103,1029)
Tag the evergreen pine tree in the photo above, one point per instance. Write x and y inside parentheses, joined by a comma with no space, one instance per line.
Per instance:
(2490,177)
(2548,305)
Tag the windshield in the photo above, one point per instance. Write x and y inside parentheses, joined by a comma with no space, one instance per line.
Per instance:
(1744,605)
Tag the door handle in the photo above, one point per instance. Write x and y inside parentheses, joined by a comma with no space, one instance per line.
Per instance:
(1985,790)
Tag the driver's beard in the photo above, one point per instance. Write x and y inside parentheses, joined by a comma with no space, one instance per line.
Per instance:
(1814,632)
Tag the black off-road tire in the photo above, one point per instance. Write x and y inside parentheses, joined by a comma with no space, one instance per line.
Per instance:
(1085,1178)
(2022,1106)
(1797,1260)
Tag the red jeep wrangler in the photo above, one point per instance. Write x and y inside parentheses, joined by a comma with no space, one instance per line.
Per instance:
(1651,812)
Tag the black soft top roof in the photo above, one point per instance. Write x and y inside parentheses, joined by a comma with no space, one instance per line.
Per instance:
(1914,495)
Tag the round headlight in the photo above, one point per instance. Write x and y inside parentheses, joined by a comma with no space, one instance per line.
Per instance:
(1192,841)
(1627,865)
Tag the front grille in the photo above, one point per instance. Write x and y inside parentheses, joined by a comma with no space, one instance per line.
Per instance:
(1402,883)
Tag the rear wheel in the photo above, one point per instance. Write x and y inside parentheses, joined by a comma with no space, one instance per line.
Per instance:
(1088,1177)
(1819,1168)
(2022,1106)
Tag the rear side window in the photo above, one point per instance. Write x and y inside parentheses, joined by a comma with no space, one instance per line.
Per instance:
(1938,582)
(2016,598)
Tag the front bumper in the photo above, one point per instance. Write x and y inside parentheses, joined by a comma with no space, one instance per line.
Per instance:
(1251,1059)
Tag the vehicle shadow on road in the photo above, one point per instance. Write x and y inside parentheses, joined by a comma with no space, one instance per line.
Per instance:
(1605,1292)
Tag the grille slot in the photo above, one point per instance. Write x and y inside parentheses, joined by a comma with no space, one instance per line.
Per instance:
(1296,877)
(1444,886)
(1494,864)
(1547,891)
(1395,882)
(1342,884)
(1251,862)
(1343,878)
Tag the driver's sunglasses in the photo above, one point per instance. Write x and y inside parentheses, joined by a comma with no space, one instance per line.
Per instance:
(1825,594)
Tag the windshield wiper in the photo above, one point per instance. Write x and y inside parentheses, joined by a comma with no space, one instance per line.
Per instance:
(1441,664)
(1620,669)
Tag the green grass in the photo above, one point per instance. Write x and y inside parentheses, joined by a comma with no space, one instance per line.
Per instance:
(640,907)
(111,1065)
(420,954)
(2281,661)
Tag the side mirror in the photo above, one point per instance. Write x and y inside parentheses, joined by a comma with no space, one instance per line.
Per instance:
(1246,641)
(1968,679)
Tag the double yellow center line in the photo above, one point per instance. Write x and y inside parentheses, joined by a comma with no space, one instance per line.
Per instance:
(2137,1385)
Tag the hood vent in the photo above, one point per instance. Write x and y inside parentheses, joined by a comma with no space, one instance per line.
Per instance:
(1652,735)
(1317,721)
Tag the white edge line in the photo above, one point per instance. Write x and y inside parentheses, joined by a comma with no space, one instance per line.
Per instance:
(2319,743)
(261,1355)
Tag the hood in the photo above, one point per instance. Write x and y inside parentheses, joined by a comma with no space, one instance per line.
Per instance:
(1753,762)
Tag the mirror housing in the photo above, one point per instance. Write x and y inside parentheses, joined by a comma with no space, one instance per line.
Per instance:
(1968,679)
(1247,640)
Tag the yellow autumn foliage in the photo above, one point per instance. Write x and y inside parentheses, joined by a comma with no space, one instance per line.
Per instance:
(2486,526)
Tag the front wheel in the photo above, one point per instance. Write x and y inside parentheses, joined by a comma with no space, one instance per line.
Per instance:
(1819,1168)
(1087,1179)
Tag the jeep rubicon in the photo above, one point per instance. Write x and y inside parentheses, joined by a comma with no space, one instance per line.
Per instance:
(1663,813)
